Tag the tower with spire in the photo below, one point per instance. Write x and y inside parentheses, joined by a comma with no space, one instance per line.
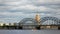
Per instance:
(37,17)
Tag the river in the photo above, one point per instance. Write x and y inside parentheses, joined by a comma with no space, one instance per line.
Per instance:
(29,31)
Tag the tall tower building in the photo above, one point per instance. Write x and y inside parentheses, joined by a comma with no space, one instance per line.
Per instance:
(37,18)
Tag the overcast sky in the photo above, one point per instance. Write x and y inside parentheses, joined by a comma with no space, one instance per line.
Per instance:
(15,10)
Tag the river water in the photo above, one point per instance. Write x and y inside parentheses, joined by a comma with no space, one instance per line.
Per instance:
(29,31)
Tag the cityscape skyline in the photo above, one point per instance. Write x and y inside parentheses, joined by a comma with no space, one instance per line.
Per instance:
(15,10)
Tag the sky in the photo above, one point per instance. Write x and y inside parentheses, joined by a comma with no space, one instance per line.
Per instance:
(15,10)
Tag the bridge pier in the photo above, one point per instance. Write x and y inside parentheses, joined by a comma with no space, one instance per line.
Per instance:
(38,28)
(59,28)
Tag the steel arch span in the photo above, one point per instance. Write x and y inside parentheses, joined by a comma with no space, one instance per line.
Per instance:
(23,21)
(34,22)
(56,20)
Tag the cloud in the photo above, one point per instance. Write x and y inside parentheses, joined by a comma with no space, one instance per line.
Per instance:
(28,4)
(15,10)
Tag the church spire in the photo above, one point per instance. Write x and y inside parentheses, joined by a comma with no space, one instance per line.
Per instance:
(37,17)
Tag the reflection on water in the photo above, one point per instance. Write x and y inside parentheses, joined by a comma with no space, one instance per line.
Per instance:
(29,31)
